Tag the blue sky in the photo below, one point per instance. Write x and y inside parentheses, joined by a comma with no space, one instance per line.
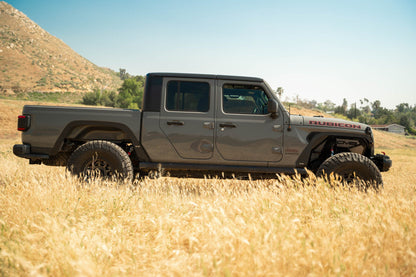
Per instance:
(321,50)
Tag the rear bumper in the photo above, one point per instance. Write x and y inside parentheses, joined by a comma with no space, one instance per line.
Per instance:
(24,151)
(383,162)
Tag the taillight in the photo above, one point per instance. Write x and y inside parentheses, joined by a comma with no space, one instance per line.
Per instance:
(23,122)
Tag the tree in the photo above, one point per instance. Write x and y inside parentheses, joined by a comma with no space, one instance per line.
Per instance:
(328,105)
(403,107)
(376,105)
(343,108)
(141,79)
(100,98)
(130,94)
(365,108)
(353,111)
(344,105)
(123,74)
(279,92)
(91,98)
(405,121)
(108,99)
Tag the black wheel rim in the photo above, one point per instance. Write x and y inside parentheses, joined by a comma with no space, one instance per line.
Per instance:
(98,168)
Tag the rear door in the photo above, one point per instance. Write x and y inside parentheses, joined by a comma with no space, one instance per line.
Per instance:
(187,116)
(245,130)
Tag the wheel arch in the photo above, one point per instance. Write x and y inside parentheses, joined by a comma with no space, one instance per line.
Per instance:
(83,131)
(323,140)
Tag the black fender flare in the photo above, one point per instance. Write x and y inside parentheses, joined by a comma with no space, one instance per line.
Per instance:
(314,139)
(66,132)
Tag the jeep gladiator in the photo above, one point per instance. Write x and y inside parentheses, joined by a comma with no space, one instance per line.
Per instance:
(198,125)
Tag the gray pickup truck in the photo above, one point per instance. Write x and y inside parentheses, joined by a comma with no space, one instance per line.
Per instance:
(198,125)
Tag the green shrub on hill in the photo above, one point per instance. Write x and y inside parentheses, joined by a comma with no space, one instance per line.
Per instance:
(130,95)
(100,98)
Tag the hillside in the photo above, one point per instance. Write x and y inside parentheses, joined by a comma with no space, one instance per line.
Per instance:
(31,59)
(307,112)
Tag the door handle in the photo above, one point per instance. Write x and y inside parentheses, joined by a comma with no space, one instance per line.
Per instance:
(227,125)
(179,123)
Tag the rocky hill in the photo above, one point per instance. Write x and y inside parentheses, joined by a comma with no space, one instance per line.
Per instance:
(31,59)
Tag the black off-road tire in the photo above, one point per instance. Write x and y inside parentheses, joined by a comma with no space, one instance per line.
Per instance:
(350,166)
(99,158)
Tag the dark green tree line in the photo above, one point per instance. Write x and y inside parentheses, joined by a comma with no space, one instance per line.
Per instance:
(373,113)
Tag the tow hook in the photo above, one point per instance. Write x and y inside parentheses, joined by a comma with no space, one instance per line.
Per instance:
(382,161)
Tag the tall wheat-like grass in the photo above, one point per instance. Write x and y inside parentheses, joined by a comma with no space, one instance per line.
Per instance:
(51,224)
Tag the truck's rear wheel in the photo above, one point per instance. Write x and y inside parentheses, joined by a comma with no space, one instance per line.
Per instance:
(350,166)
(102,159)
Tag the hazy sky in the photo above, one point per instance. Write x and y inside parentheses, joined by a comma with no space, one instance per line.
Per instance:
(322,50)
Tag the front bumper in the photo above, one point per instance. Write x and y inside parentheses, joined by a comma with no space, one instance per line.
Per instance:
(382,161)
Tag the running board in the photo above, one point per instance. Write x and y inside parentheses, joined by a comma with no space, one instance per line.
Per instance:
(220,168)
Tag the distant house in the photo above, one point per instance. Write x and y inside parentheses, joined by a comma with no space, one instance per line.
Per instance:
(393,128)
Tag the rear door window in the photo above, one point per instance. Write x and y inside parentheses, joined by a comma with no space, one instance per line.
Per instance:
(187,96)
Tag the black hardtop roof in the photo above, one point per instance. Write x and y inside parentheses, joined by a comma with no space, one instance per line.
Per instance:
(206,76)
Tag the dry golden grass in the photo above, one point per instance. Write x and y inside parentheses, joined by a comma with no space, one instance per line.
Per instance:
(393,141)
(53,225)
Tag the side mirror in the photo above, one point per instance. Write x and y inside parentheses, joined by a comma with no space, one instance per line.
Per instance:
(273,108)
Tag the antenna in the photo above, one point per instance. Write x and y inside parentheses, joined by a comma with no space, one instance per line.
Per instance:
(289,127)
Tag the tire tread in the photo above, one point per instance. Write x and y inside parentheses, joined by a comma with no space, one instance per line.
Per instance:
(96,145)
(334,162)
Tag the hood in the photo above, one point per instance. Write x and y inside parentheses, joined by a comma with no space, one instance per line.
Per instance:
(327,122)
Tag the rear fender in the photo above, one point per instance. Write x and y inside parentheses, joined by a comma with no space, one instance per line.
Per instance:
(97,130)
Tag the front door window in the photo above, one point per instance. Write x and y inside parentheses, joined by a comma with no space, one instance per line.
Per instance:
(244,99)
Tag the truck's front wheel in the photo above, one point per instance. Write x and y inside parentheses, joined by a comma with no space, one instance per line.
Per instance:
(102,159)
(350,166)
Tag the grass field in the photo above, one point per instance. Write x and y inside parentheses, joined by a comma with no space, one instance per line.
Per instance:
(50,224)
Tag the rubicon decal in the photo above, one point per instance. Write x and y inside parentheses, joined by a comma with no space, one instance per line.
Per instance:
(334,124)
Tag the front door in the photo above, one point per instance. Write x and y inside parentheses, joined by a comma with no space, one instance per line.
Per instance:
(245,130)
(187,116)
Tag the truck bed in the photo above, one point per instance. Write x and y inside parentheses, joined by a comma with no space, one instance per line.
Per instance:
(49,123)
